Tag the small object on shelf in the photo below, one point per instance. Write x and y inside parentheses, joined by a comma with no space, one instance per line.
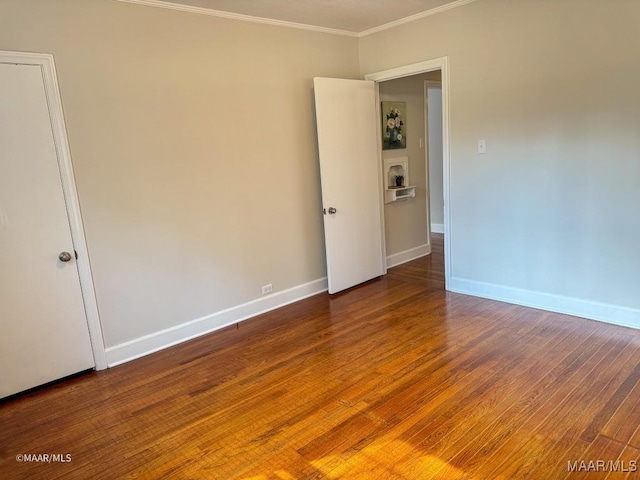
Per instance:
(399,180)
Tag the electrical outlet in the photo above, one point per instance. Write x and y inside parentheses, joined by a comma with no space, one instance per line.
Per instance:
(267,289)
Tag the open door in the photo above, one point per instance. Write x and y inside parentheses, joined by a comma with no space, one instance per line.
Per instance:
(347,143)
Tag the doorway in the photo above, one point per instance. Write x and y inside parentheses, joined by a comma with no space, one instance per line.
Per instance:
(441,65)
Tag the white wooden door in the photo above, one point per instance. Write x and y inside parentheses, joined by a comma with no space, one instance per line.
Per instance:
(44,332)
(347,143)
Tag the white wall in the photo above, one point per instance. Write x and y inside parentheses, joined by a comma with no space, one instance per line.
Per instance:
(548,216)
(193,143)
(435,154)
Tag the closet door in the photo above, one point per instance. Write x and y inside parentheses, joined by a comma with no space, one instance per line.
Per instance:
(42,317)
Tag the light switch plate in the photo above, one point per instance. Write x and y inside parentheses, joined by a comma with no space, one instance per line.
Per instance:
(482,146)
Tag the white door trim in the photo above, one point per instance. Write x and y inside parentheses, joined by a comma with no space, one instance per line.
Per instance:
(47,67)
(441,64)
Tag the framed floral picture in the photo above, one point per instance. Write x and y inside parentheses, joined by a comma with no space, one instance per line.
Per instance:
(394,125)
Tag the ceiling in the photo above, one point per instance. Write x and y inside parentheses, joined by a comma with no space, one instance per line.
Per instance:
(354,16)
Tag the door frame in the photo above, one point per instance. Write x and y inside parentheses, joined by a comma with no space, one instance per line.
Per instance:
(442,64)
(47,66)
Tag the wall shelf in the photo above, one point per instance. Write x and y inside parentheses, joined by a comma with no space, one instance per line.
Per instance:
(397,168)
(399,193)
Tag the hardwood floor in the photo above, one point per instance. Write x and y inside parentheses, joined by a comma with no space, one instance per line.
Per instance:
(394,379)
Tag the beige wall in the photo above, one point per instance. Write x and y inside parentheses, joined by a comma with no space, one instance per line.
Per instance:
(194,150)
(552,86)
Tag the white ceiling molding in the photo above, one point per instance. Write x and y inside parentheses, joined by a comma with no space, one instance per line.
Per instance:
(283,23)
(417,16)
(239,16)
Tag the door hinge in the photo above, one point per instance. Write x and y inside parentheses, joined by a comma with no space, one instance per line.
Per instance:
(76,254)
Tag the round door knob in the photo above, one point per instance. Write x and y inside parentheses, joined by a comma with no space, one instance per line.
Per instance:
(64,256)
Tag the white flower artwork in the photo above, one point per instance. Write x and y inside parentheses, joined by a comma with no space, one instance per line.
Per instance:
(393,125)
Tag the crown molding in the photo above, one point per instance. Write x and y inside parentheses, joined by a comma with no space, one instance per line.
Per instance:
(239,16)
(417,16)
(301,26)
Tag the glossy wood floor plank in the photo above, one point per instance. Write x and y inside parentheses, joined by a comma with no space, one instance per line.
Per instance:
(454,433)
(394,379)
(521,451)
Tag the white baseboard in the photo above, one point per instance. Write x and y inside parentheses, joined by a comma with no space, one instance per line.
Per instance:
(623,316)
(162,339)
(408,255)
(437,228)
